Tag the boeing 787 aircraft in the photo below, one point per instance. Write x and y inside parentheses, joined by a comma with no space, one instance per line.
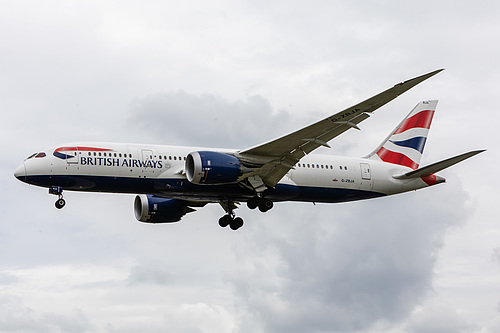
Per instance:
(170,180)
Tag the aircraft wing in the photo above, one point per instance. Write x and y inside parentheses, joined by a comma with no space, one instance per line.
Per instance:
(272,160)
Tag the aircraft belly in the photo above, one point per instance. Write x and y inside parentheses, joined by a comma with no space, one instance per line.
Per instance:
(182,189)
(333,195)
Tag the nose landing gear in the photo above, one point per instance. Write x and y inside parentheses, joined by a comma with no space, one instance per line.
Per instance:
(60,203)
(58,190)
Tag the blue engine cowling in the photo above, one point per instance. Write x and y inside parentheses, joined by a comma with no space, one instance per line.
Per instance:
(152,209)
(211,168)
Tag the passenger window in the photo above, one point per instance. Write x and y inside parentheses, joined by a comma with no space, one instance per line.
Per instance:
(175,158)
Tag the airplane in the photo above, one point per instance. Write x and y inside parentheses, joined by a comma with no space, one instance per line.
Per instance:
(171,181)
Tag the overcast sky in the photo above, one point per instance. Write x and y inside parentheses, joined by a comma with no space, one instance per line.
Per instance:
(235,74)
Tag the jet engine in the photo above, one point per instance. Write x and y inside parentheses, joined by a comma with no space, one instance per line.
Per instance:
(212,168)
(152,209)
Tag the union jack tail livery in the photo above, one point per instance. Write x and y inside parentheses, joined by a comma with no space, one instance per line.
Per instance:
(405,145)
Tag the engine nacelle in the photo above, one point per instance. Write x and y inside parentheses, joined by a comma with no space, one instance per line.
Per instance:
(151,209)
(212,168)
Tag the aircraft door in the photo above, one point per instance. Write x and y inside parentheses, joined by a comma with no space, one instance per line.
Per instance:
(365,171)
(72,156)
(366,176)
(147,155)
(147,163)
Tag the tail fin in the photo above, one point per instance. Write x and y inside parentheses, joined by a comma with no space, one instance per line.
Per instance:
(405,145)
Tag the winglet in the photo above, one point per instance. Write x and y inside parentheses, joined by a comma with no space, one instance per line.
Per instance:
(408,84)
(438,166)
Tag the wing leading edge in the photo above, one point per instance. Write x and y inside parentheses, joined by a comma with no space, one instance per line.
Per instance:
(272,160)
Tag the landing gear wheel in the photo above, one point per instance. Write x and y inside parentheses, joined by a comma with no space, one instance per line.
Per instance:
(225,221)
(265,205)
(253,203)
(58,190)
(60,203)
(236,223)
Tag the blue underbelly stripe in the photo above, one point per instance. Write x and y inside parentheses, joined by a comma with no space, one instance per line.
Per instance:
(181,188)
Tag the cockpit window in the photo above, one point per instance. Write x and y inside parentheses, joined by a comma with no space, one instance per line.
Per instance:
(31,156)
(40,155)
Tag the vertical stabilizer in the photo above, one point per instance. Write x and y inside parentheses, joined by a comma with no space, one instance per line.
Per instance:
(405,145)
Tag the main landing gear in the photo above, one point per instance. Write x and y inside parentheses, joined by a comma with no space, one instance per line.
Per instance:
(234,222)
(230,218)
(57,190)
(263,204)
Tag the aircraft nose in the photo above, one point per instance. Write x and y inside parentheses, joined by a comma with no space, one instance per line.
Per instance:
(20,172)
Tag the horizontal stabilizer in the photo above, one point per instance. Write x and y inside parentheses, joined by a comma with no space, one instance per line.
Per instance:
(438,166)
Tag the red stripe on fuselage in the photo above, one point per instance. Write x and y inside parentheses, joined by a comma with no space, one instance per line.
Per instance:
(396,158)
(422,119)
(82,149)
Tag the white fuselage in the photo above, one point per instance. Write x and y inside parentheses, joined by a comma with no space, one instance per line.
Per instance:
(158,169)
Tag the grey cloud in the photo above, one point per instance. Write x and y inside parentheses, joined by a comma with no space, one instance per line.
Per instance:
(6,278)
(206,120)
(74,323)
(15,316)
(151,273)
(496,254)
(344,267)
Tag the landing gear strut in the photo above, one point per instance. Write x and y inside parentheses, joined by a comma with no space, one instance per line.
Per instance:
(57,190)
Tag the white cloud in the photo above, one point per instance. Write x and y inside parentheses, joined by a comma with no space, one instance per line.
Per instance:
(16,316)
(438,319)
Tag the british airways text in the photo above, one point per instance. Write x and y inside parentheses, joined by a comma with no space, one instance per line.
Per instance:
(115,162)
